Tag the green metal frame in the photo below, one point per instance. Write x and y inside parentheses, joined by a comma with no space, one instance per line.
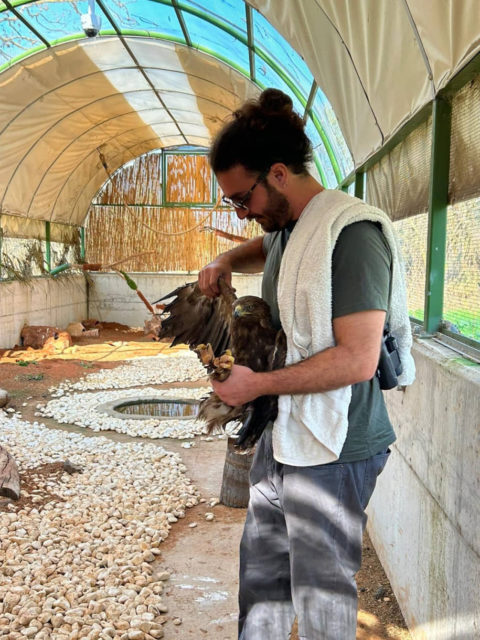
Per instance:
(82,244)
(48,253)
(437,214)
(440,110)
(359,185)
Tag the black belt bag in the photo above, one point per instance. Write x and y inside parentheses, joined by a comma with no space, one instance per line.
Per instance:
(389,365)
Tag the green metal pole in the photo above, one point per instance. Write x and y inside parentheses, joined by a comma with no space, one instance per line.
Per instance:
(359,184)
(82,243)
(437,214)
(48,255)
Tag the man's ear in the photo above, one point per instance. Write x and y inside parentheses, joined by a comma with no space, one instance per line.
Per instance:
(279,174)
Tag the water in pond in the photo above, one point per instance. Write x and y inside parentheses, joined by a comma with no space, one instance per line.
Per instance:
(160,408)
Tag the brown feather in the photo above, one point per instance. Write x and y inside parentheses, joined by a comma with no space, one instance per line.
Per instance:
(243,325)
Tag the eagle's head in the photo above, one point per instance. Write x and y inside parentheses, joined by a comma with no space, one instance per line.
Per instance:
(251,307)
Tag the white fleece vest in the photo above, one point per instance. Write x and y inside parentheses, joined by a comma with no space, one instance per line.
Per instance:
(311,429)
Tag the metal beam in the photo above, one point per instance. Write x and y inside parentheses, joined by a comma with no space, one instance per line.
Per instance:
(183,26)
(48,255)
(359,185)
(18,15)
(82,243)
(437,214)
(137,64)
(251,52)
(311,98)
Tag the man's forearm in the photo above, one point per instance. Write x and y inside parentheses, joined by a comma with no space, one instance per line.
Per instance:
(248,257)
(353,359)
(331,369)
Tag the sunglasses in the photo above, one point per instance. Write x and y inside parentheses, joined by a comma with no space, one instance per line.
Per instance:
(241,203)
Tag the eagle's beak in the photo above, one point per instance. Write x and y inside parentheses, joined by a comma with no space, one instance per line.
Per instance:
(239,311)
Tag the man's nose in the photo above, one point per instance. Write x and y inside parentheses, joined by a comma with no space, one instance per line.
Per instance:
(241,212)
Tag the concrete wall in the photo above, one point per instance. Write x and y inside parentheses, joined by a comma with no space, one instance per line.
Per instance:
(111,300)
(43,301)
(425,513)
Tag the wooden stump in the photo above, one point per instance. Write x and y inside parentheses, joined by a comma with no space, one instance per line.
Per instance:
(9,478)
(235,485)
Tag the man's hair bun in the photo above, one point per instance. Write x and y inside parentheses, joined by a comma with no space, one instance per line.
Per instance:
(274,101)
(262,132)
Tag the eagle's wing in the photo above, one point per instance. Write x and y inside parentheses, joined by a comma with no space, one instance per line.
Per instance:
(195,319)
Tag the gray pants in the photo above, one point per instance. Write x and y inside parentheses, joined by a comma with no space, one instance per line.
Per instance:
(302,545)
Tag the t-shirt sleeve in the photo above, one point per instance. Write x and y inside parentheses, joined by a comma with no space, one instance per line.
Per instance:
(361,268)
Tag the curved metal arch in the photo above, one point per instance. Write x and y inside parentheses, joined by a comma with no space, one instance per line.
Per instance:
(118,166)
(55,124)
(89,130)
(78,138)
(85,106)
(82,162)
(244,40)
(105,72)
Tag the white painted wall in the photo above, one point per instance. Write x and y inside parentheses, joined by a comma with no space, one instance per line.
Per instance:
(425,513)
(111,300)
(43,301)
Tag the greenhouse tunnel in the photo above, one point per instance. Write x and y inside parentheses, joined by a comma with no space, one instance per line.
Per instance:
(104,144)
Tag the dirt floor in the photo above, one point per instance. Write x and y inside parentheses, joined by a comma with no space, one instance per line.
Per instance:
(201,555)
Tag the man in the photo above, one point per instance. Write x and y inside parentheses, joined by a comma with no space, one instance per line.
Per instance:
(331,258)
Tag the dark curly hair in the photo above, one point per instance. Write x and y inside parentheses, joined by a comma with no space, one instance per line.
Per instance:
(262,132)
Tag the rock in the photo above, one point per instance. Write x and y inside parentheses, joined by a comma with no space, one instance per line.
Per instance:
(153,326)
(58,342)
(380,592)
(75,329)
(36,336)
(72,468)
(91,323)
(4,397)
(91,333)
(163,575)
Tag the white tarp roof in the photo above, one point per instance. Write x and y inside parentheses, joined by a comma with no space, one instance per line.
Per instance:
(378,61)
(163,74)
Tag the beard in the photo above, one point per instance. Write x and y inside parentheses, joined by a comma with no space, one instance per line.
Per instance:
(277,212)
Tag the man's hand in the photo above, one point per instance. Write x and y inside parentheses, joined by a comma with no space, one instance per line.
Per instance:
(240,387)
(209,275)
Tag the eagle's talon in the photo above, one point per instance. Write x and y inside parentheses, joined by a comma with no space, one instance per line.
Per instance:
(223,366)
(206,355)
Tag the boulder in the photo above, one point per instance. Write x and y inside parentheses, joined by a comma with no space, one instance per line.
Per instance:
(58,343)
(91,323)
(36,336)
(152,327)
(3,397)
(75,329)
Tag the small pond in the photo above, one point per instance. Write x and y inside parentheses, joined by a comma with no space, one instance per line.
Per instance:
(159,408)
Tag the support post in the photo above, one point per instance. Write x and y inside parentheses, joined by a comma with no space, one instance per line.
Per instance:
(82,243)
(48,255)
(437,214)
(359,184)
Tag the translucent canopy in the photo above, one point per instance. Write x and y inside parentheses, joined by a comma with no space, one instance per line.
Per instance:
(167,72)
(160,74)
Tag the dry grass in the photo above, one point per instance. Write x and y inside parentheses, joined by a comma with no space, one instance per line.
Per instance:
(159,237)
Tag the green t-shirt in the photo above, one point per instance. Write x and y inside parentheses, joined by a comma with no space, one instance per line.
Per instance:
(361,268)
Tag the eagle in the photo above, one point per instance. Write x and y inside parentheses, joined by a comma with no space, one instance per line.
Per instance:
(223,331)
